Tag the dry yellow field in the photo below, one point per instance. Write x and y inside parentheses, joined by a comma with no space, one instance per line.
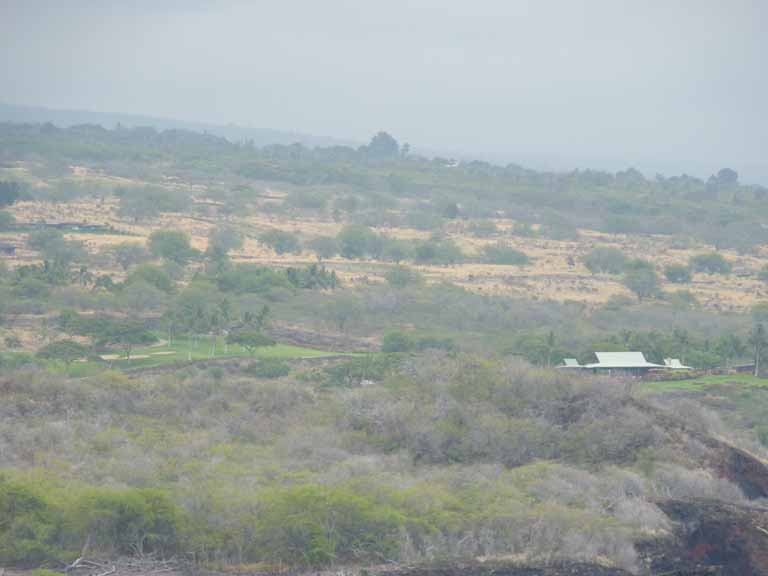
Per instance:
(555,273)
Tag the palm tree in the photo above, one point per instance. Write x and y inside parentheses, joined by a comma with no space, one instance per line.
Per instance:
(551,344)
(758,339)
(84,276)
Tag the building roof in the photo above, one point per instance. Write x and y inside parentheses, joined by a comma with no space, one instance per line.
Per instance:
(675,364)
(620,360)
(571,363)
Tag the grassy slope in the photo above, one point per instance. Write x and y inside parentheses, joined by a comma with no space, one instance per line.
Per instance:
(741,401)
(185,350)
(701,384)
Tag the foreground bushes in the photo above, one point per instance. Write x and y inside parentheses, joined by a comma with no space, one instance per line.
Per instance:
(400,457)
(45,520)
(314,525)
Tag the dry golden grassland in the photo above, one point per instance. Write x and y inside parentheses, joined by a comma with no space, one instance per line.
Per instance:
(555,273)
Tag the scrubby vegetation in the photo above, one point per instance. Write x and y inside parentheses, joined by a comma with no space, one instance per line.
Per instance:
(607,260)
(445,456)
(713,263)
(285,356)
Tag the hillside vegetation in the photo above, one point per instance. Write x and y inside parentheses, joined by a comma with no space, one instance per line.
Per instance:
(443,457)
(255,358)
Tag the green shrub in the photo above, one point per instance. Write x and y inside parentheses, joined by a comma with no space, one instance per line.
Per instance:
(30,524)
(437,252)
(312,277)
(44,239)
(269,368)
(222,240)
(483,228)
(712,263)
(16,360)
(129,520)
(677,273)
(10,192)
(324,246)
(64,350)
(621,225)
(307,200)
(129,254)
(281,242)
(252,279)
(523,229)
(171,245)
(421,220)
(682,299)
(43,520)
(401,342)
(759,312)
(433,343)
(317,526)
(357,242)
(644,282)
(402,276)
(31,288)
(762,434)
(763,274)
(148,202)
(397,342)
(560,229)
(370,367)
(503,254)
(395,250)
(251,340)
(6,221)
(152,275)
(638,264)
(606,260)
(703,359)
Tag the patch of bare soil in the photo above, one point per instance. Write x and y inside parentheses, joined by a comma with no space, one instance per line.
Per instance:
(501,569)
(746,470)
(711,538)
(298,336)
(152,567)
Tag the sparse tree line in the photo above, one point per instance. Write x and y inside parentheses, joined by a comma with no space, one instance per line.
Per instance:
(216,299)
(398,188)
(641,277)
(356,242)
(549,348)
(704,353)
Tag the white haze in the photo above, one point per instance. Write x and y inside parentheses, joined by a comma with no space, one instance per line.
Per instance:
(670,86)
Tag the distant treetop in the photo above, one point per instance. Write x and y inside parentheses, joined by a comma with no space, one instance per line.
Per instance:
(383,145)
(10,192)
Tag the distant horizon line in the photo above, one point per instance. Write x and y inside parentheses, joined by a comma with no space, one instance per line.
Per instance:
(538,161)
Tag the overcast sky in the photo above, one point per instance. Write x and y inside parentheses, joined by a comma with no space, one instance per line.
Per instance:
(681,85)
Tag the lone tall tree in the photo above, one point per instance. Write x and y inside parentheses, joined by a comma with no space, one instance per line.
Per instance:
(250,340)
(383,146)
(758,339)
(643,282)
(171,245)
(10,192)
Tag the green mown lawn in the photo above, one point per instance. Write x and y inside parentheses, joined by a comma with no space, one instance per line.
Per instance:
(184,350)
(702,383)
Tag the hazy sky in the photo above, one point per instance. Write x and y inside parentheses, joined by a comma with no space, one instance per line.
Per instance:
(669,83)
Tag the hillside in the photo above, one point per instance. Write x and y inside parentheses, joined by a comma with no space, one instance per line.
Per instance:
(225,357)
(11,113)
(439,457)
